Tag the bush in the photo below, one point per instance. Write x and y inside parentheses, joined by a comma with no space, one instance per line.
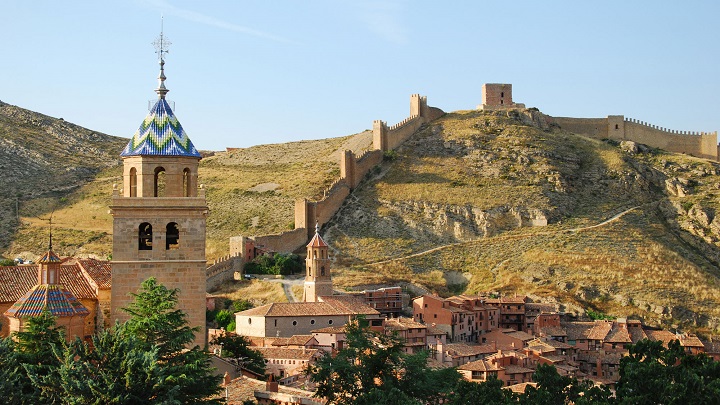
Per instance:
(7,262)
(241,305)
(224,317)
(280,263)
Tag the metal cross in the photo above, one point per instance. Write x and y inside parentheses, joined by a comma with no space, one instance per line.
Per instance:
(161,43)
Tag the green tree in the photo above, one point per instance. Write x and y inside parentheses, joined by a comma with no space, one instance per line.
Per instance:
(238,347)
(224,317)
(36,348)
(552,388)
(488,392)
(372,368)
(652,374)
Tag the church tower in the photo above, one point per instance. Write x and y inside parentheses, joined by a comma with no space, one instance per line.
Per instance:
(318,282)
(159,216)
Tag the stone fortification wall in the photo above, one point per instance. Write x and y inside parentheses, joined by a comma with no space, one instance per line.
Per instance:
(699,144)
(592,127)
(352,170)
(222,270)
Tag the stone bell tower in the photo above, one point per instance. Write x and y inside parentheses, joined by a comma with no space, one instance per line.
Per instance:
(318,282)
(159,215)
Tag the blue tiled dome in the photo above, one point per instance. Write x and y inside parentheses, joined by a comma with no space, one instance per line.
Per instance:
(160,134)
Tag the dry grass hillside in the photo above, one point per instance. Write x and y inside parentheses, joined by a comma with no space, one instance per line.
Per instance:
(454,212)
(250,191)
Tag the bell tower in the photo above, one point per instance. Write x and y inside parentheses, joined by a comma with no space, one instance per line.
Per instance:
(318,282)
(159,216)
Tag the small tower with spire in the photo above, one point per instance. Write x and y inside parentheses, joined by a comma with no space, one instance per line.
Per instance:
(318,282)
(51,296)
(159,216)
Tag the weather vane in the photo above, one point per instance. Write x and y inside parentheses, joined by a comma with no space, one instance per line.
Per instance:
(161,43)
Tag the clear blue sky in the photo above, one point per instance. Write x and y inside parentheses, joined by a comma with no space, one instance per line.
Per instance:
(243,73)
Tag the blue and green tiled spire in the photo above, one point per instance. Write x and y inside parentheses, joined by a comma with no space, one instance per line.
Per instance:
(160,134)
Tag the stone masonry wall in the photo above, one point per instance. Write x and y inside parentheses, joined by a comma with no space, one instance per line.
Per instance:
(699,144)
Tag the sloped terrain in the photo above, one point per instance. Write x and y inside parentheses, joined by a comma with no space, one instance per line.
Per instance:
(460,209)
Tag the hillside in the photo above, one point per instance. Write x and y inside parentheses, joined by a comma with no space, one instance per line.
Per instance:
(55,165)
(454,212)
(43,160)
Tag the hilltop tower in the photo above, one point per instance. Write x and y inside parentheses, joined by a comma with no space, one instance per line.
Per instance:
(318,282)
(159,218)
(497,96)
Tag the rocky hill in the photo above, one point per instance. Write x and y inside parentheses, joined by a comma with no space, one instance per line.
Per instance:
(43,160)
(502,201)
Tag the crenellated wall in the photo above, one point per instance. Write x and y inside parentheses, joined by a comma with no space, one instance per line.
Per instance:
(352,170)
(699,144)
(222,270)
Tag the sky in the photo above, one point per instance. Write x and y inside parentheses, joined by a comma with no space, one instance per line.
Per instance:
(244,73)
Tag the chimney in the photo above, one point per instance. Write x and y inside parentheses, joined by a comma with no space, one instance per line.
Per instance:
(271,385)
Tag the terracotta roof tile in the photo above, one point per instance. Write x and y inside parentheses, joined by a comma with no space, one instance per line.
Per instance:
(294,340)
(462,349)
(577,330)
(349,304)
(99,272)
(513,369)
(317,241)
(661,335)
(553,331)
(403,323)
(281,309)
(521,335)
(15,281)
(618,335)
(331,329)
(287,353)
(480,365)
(600,330)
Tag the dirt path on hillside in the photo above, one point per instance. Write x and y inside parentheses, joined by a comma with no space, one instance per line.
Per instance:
(509,237)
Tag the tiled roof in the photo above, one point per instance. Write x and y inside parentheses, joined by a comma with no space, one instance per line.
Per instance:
(557,344)
(243,388)
(47,297)
(553,331)
(539,307)
(350,304)
(520,387)
(99,272)
(600,330)
(15,281)
(480,365)
(317,241)
(690,341)
(434,330)
(403,323)
(661,335)
(295,340)
(521,335)
(637,334)
(618,335)
(281,309)
(160,134)
(462,349)
(331,329)
(513,369)
(577,330)
(286,353)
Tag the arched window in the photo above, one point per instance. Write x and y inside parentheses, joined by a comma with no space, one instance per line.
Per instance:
(145,236)
(322,270)
(172,236)
(133,182)
(159,181)
(186,182)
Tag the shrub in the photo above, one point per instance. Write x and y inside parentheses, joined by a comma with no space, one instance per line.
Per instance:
(224,317)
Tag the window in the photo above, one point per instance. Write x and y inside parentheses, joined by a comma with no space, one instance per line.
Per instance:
(502,94)
(276,322)
(133,182)
(172,236)
(145,236)
(159,181)
(312,322)
(186,182)
(617,126)
(330,321)
(322,270)
(249,321)
(294,323)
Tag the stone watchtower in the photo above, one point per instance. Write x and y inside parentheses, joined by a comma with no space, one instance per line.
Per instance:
(318,282)
(159,216)
(497,96)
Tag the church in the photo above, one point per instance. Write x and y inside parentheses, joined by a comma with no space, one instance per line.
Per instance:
(159,222)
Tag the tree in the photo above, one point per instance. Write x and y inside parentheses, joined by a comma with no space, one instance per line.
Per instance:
(372,368)
(238,347)
(36,348)
(552,388)
(652,374)
(488,392)
(159,326)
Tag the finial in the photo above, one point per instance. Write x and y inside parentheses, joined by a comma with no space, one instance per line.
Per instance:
(317,228)
(50,243)
(161,49)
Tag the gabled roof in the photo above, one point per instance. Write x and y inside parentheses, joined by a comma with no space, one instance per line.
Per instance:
(286,353)
(99,272)
(160,134)
(53,298)
(281,309)
(480,365)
